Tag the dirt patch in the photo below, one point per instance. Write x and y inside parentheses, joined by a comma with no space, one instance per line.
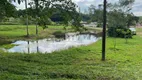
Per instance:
(139,33)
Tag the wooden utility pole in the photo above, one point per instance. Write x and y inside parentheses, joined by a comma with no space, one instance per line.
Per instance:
(104,32)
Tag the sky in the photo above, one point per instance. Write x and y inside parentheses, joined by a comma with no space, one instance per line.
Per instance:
(84,4)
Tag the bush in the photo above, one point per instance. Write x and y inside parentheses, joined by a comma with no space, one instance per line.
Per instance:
(8,23)
(119,32)
(59,34)
(99,25)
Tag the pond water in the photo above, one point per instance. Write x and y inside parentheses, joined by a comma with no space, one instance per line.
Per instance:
(52,44)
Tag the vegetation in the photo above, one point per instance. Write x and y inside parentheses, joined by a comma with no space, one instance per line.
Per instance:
(54,18)
(41,12)
(77,63)
(10,33)
(6,9)
(140,19)
(119,32)
(59,34)
(120,19)
(119,16)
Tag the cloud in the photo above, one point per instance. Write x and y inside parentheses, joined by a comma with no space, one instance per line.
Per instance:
(84,4)
(137,8)
(22,5)
(138,13)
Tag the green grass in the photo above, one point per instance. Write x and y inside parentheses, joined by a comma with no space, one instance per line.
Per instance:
(82,63)
(13,31)
(10,33)
(7,46)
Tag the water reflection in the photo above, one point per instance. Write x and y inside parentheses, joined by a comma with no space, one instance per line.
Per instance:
(37,46)
(28,47)
(51,45)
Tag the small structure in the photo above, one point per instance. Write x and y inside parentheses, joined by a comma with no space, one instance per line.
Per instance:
(92,24)
(139,25)
(133,30)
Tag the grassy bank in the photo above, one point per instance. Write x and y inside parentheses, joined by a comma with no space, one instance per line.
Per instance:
(9,33)
(15,31)
(123,63)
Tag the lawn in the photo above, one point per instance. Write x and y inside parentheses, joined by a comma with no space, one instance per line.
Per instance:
(82,63)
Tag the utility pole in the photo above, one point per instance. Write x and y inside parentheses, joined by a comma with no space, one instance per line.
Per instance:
(27,18)
(104,32)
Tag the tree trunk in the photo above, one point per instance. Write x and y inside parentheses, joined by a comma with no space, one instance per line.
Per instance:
(37,11)
(36,27)
(27,18)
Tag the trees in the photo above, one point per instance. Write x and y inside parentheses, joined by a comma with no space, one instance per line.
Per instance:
(6,9)
(19,1)
(96,14)
(27,18)
(120,19)
(119,12)
(131,20)
(43,10)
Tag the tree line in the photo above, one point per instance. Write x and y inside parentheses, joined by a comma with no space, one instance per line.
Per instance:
(46,12)
(42,12)
(119,17)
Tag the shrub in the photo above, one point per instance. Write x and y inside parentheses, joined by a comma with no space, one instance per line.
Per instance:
(59,34)
(119,32)
(99,25)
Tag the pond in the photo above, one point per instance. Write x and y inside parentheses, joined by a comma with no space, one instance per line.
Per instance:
(52,44)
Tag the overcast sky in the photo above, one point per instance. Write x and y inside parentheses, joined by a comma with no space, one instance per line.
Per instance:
(84,4)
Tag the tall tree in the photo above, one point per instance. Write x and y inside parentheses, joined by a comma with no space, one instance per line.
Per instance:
(45,8)
(35,5)
(37,14)
(96,14)
(121,13)
(27,18)
(19,1)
